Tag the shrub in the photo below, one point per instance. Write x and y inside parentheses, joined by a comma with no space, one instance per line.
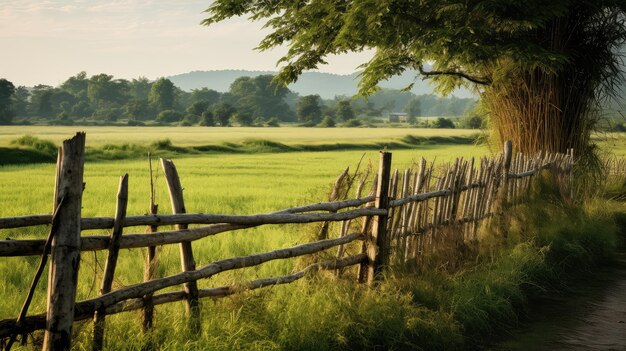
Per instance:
(45,146)
(243,119)
(443,123)
(163,144)
(471,122)
(273,122)
(168,116)
(134,122)
(353,123)
(327,122)
(190,120)
(109,114)
(206,119)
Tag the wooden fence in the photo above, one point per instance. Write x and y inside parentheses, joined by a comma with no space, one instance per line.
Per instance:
(404,219)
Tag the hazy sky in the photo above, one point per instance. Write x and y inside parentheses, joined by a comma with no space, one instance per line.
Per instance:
(48,41)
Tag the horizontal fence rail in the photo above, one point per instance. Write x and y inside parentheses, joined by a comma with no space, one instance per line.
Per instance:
(94,243)
(171,219)
(407,216)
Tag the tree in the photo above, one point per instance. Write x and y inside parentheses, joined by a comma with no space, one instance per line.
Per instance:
(222,111)
(207,95)
(104,92)
(81,109)
(41,100)
(206,119)
(162,94)
(197,108)
(77,85)
(260,97)
(138,110)
(540,66)
(7,89)
(414,107)
(344,110)
(21,100)
(139,88)
(308,110)
(327,122)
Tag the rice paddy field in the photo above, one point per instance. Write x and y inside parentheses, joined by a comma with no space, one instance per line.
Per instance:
(193,136)
(213,183)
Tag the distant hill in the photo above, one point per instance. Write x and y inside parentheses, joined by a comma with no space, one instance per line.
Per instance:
(327,85)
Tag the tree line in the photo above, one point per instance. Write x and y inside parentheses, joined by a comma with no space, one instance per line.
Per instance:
(250,101)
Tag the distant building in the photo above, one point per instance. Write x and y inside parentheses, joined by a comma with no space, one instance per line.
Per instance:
(396,117)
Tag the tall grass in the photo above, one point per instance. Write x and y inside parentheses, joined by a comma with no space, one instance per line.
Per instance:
(434,310)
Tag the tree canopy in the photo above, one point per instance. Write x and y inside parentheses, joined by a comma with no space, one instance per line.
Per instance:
(7,89)
(561,54)
(162,94)
(309,110)
(260,97)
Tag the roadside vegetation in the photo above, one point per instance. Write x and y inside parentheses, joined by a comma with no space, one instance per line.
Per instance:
(434,309)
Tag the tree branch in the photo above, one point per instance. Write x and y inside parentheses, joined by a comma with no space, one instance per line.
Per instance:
(481,81)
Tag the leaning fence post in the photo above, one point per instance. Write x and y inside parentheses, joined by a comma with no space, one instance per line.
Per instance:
(378,253)
(65,253)
(187,261)
(111,262)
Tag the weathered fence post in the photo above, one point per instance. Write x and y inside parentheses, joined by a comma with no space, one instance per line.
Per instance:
(151,260)
(65,253)
(111,262)
(378,248)
(186,253)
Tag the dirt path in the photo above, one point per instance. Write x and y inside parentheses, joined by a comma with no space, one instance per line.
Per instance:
(593,317)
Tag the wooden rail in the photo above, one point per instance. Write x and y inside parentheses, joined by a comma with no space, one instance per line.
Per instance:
(172,219)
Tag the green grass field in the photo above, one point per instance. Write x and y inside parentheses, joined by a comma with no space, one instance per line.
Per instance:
(213,183)
(193,136)
(235,184)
